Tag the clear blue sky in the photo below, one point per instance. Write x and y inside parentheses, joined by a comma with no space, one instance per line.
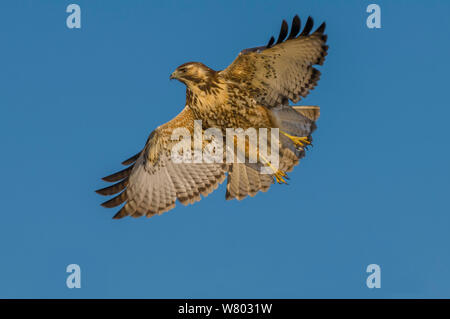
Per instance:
(374,189)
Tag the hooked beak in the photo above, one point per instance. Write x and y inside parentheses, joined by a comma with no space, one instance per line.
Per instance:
(172,76)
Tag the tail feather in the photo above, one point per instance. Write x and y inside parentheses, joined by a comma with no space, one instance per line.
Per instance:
(246,179)
(297,121)
(311,112)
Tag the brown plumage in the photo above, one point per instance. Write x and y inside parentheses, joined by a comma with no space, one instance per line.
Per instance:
(253,92)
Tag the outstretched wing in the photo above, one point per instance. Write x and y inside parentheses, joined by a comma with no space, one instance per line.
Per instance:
(276,73)
(153,182)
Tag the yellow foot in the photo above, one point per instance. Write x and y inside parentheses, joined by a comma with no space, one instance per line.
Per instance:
(299,141)
(278,174)
(279,177)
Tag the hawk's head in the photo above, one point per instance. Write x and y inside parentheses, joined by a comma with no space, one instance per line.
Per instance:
(193,74)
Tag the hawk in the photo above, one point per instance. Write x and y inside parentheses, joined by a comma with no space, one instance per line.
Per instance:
(253,92)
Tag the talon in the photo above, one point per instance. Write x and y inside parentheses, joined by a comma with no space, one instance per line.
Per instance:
(279,177)
(299,141)
(278,174)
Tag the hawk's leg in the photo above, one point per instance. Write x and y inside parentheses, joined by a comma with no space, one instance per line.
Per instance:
(278,174)
(299,141)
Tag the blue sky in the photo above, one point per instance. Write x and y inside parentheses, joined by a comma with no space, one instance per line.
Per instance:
(374,189)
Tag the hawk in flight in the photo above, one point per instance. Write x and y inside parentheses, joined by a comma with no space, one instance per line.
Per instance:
(253,92)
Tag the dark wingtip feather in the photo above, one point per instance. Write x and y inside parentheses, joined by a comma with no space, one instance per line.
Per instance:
(283,32)
(113,189)
(118,176)
(271,41)
(321,28)
(308,27)
(296,25)
(131,160)
(120,214)
(116,201)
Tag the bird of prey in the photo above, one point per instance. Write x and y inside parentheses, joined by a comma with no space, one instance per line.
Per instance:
(253,92)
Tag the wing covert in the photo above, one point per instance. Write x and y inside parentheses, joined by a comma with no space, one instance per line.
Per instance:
(276,73)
